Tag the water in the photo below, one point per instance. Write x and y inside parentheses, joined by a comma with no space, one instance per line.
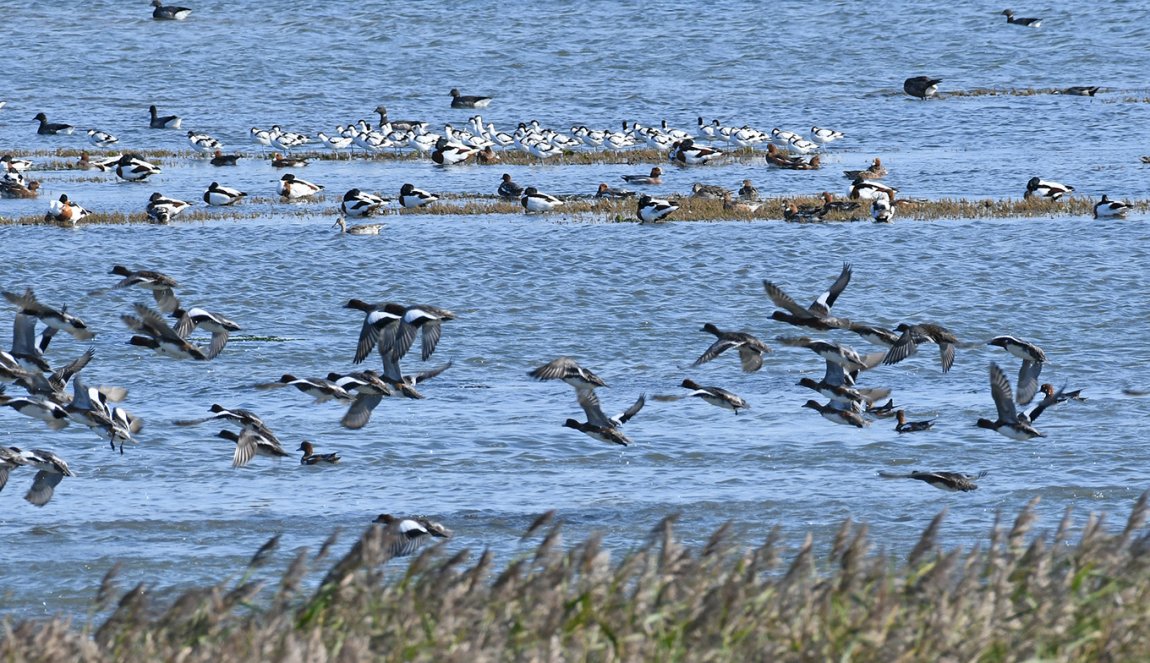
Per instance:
(486,452)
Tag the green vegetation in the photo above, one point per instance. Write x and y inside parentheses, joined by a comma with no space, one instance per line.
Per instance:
(1020,596)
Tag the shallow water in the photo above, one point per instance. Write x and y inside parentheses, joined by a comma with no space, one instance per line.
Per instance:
(485,452)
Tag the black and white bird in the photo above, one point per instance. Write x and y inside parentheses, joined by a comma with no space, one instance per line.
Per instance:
(56,318)
(47,128)
(357,203)
(922,87)
(51,470)
(569,371)
(1039,188)
(161,285)
(411,197)
(221,196)
(133,168)
(818,314)
(1107,208)
(217,325)
(1024,22)
(101,138)
(293,187)
(162,209)
(1032,358)
(250,443)
(534,200)
(882,210)
(598,425)
(404,536)
(163,121)
(152,331)
(654,210)
(459,100)
(162,13)
(714,395)
(1008,422)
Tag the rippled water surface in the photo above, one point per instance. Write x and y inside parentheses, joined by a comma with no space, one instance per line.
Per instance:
(485,452)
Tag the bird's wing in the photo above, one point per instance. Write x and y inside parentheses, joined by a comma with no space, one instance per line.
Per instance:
(1028,381)
(784,301)
(1001,393)
(822,306)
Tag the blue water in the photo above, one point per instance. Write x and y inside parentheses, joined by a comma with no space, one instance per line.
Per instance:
(486,452)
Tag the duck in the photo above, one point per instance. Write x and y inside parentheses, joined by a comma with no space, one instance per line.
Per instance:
(1008,422)
(792,213)
(1032,358)
(85,162)
(1107,208)
(160,284)
(569,371)
(411,197)
(51,470)
(824,136)
(369,390)
(447,153)
(165,121)
(221,196)
(221,159)
(101,138)
(161,207)
(922,87)
(1024,22)
(318,388)
(904,426)
(58,319)
(716,396)
(65,212)
(686,152)
(874,334)
(10,459)
(292,187)
(280,161)
(739,206)
(251,443)
(881,209)
(468,101)
(11,164)
(848,358)
(841,206)
(162,13)
(835,415)
(52,128)
(748,191)
(425,320)
(843,397)
(508,189)
(1041,188)
(654,210)
(17,190)
(913,335)
(1080,90)
(1075,395)
(875,171)
(51,413)
(358,203)
(818,314)
(381,320)
(598,425)
(155,333)
(751,349)
(534,201)
(310,457)
(357,229)
(952,481)
(133,168)
(605,191)
(196,317)
(486,156)
(709,191)
(655,178)
(404,536)
(241,416)
(869,190)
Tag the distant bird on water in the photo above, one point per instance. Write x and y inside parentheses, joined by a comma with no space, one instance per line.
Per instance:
(952,481)
(1024,22)
(162,13)
(922,87)
(468,101)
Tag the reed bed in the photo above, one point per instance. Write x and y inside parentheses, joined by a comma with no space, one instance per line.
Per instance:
(1020,596)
